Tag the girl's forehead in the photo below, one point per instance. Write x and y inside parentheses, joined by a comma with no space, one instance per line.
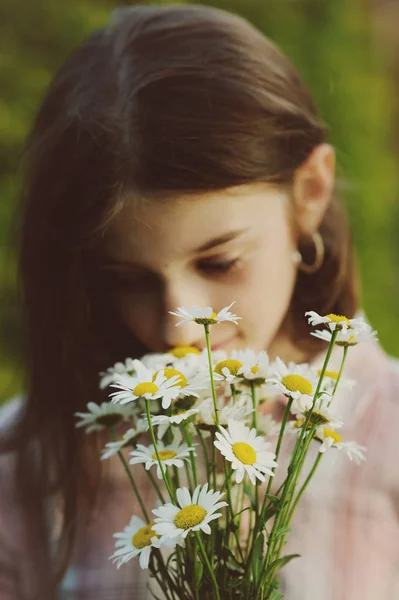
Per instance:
(186,224)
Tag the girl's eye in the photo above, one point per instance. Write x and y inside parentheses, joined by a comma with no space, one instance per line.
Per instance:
(217,267)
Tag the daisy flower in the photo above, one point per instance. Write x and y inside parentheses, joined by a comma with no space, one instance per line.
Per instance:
(114,373)
(187,382)
(193,513)
(129,438)
(146,385)
(330,379)
(179,352)
(206,419)
(331,439)
(103,415)
(350,337)
(321,415)
(334,322)
(254,367)
(165,421)
(293,380)
(267,425)
(204,316)
(227,370)
(137,539)
(170,455)
(247,451)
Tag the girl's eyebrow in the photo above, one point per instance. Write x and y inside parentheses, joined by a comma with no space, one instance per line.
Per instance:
(109,263)
(222,239)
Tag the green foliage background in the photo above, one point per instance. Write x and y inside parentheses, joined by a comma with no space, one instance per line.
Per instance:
(332,44)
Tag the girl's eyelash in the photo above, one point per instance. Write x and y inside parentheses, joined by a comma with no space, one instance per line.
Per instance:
(221,266)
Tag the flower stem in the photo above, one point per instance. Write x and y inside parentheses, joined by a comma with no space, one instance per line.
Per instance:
(303,488)
(310,411)
(130,476)
(339,374)
(208,565)
(154,483)
(192,457)
(204,449)
(254,405)
(165,478)
(258,522)
(208,347)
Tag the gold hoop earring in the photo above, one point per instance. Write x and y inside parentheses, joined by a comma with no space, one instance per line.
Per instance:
(319,255)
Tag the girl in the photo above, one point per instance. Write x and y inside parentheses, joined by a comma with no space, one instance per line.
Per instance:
(178,159)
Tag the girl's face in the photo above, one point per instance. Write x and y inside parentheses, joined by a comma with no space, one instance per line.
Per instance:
(206,249)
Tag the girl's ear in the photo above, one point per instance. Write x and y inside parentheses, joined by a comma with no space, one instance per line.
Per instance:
(313,187)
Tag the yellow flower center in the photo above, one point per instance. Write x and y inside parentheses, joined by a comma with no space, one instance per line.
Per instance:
(109,419)
(190,516)
(207,320)
(330,374)
(333,434)
(142,537)
(231,364)
(317,418)
(297,383)
(182,351)
(244,452)
(146,387)
(169,372)
(351,341)
(164,454)
(337,318)
(255,369)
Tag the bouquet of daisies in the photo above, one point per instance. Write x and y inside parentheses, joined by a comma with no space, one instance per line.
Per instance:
(219,527)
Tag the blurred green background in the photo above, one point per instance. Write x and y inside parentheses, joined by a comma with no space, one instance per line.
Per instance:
(348,53)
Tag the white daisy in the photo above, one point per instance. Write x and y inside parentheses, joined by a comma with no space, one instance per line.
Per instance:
(255,366)
(204,316)
(321,416)
(238,410)
(331,439)
(165,421)
(146,384)
(227,370)
(247,451)
(186,381)
(293,380)
(170,455)
(350,337)
(267,425)
(103,415)
(112,374)
(330,379)
(334,322)
(194,512)
(129,438)
(137,539)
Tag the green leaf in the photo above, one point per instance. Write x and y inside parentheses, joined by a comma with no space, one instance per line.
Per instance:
(257,557)
(234,582)
(242,510)
(249,493)
(199,571)
(232,562)
(276,595)
(281,531)
(280,563)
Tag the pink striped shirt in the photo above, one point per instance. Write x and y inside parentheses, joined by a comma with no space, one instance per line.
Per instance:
(346,527)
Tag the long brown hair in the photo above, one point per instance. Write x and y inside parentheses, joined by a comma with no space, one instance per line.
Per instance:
(164,100)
